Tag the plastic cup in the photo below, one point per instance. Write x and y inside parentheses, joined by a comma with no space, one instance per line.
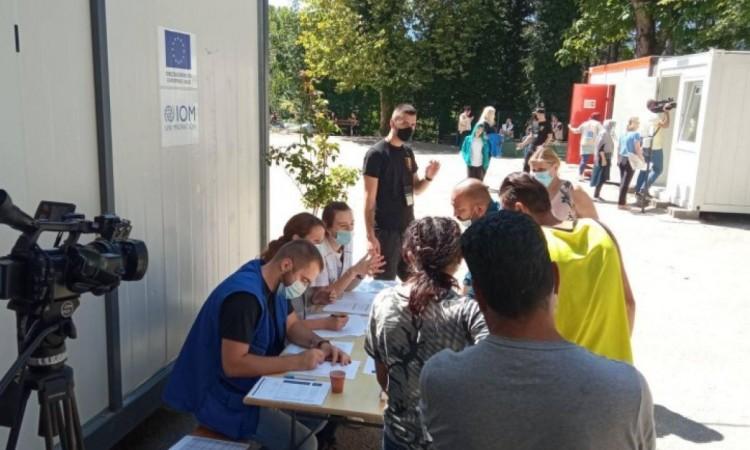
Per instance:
(337,381)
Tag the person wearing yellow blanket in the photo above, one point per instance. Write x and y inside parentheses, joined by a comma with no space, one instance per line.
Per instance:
(595,307)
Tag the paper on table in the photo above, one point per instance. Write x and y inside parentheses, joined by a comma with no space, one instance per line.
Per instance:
(356,326)
(375,286)
(324,370)
(352,303)
(369,368)
(291,391)
(201,443)
(293,349)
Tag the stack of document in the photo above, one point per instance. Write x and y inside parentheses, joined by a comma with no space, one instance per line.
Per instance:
(347,347)
(324,370)
(309,392)
(356,326)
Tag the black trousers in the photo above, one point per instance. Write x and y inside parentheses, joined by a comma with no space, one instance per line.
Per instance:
(390,247)
(626,176)
(475,172)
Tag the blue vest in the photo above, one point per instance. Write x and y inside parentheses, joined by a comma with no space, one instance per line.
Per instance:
(198,385)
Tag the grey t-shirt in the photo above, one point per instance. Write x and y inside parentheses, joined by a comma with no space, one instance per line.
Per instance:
(508,394)
(403,342)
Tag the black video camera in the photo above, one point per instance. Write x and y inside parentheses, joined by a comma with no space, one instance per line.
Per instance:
(36,279)
(660,106)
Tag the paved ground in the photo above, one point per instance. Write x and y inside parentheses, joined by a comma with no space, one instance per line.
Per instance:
(691,337)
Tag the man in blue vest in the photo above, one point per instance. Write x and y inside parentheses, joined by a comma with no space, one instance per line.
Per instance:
(237,338)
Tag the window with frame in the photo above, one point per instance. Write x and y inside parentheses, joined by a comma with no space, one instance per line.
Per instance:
(690,110)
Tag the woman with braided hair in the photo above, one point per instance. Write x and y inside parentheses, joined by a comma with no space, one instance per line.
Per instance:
(411,322)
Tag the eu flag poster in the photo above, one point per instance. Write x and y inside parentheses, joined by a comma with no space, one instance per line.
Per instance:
(177,59)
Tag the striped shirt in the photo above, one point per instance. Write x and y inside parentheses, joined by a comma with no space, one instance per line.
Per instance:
(404,342)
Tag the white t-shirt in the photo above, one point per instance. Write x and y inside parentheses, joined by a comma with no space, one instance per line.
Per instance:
(476,152)
(589,131)
(334,267)
(658,141)
(464,123)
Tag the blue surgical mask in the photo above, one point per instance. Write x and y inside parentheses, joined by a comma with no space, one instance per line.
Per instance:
(343,237)
(321,249)
(543,177)
(295,290)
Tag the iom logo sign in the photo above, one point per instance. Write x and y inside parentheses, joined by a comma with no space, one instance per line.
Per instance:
(180,115)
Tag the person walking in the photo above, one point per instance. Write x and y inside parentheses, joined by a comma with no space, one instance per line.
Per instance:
(391,182)
(507,128)
(605,147)
(411,322)
(464,124)
(588,130)
(541,136)
(475,151)
(630,144)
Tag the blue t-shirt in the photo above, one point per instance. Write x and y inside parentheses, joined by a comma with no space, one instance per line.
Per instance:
(627,142)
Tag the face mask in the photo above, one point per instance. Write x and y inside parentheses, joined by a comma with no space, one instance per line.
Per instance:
(543,177)
(405,134)
(295,290)
(343,237)
(321,249)
(465,223)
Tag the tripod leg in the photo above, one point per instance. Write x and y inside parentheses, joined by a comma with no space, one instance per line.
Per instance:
(46,423)
(62,425)
(76,422)
(15,430)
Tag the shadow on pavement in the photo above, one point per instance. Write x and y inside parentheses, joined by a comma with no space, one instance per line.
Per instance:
(669,422)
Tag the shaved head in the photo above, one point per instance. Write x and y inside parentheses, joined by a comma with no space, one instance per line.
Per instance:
(470,199)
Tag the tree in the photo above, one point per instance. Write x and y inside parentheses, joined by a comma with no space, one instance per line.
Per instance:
(311,162)
(287,60)
(361,44)
(551,79)
(651,27)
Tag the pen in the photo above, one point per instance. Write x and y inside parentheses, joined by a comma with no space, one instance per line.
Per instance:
(338,315)
(298,377)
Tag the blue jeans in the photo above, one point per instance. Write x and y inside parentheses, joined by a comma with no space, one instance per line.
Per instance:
(585,158)
(274,430)
(657,165)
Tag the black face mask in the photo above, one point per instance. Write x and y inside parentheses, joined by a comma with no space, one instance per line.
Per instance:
(405,134)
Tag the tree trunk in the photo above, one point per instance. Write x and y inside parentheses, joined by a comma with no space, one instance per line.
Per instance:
(645,27)
(386,108)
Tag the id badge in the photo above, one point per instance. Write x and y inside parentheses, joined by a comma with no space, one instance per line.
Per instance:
(409,195)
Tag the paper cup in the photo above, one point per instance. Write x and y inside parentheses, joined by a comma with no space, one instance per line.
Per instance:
(337,381)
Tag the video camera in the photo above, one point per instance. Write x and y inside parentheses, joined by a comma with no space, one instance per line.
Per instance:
(660,106)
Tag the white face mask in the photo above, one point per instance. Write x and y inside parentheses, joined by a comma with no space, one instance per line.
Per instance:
(295,290)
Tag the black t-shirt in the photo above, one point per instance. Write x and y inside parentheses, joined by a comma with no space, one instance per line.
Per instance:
(545,129)
(394,167)
(240,314)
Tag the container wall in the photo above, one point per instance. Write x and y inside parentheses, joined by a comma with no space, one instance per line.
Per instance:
(725,154)
(48,151)
(195,201)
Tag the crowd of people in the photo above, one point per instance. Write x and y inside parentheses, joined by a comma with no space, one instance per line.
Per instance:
(533,353)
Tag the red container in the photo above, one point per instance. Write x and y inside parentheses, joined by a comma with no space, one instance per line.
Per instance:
(587,99)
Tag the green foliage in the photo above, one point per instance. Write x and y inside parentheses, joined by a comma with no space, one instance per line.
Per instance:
(310,162)
(605,29)
(287,62)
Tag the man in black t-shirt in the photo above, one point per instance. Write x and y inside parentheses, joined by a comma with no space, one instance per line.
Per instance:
(391,182)
(543,136)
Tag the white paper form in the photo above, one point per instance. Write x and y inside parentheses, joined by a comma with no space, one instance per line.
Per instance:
(354,302)
(356,326)
(201,443)
(347,347)
(369,368)
(375,286)
(309,392)
(325,368)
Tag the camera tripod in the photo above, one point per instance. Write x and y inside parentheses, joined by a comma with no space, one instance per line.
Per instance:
(40,368)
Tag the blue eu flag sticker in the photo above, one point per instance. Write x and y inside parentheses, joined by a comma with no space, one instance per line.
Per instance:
(177,46)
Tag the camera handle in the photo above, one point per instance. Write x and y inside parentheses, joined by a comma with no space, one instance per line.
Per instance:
(58,415)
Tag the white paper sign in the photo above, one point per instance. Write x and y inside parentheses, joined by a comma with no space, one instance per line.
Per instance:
(589,103)
(178,66)
(179,117)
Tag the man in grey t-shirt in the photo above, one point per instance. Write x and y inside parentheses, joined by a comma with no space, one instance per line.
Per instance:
(525,387)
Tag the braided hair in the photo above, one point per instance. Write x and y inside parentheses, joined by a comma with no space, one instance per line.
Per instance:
(431,246)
